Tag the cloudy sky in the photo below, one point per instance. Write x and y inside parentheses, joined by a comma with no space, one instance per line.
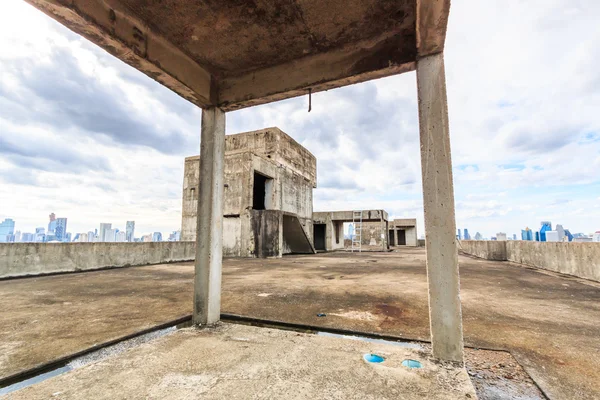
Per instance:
(90,138)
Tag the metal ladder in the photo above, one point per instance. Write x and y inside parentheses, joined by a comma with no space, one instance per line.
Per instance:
(357,217)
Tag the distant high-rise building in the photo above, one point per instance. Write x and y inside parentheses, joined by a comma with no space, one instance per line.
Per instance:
(501,236)
(121,236)
(129,231)
(67,237)
(157,237)
(526,234)
(459,237)
(40,235)
(596,236)
(60,229)
(7,230)
(27,237)
(91,236)
(110,235)
(52,223)
(478,236)
(546,226)
(147,238)
(514,236)
(466,235)
(102,233)
(175,236)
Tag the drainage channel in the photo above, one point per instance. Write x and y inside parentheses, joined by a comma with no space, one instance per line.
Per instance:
(118,346)
(86,357)
(322,331)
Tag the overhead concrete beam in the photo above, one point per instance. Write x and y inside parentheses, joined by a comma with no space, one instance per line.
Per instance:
(209,235)
(109,25)
(368,60)
(432,21)
(438,203)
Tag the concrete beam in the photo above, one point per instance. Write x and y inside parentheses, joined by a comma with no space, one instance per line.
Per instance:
(209,236)
(432,21)
(367,60)
(438,203)
(108,24)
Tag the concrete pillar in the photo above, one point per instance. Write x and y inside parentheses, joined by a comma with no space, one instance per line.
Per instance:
(384,233)
(395,236)
(209,234)
(438,203)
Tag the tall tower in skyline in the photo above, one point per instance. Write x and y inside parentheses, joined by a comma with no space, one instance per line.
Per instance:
(52,223)
(102,233)
(7,229)
(129,231)
(60,229)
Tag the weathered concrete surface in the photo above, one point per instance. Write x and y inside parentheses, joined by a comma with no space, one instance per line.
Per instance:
(550,323)
(209,233)
(21,259)
(243,362)
(373,232)
(49,317)
(409,226)
(486,249)
(578,259)
(438,207)
(290,170)
(235,55)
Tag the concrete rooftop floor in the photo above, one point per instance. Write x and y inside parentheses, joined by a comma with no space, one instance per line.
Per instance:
(242,362)
(551,324)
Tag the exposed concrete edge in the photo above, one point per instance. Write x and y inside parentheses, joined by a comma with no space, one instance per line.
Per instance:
(53,273)
(61,361)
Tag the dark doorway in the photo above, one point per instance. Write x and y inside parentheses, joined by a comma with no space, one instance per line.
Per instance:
(391,240)
(319,236)
(401,237)
(260,191)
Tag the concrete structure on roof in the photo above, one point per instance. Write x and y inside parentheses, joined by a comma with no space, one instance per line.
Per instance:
(224,56)
(403,232)
(328,229)
(268,199)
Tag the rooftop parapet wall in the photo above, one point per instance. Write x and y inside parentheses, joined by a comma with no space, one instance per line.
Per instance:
(486,249)
(23,259)
(578,259)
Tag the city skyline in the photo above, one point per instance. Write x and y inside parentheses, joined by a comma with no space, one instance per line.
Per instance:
(10,231)
(110,145)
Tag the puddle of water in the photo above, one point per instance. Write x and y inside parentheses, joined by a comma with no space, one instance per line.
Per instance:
(412,364)
(373,358)
(35,379)
(89,358)
(407,345)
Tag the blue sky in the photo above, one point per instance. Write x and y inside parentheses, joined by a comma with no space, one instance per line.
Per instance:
(88,137)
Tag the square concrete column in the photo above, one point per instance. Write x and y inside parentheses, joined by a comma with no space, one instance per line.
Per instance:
(209,234)
(438,203)
(395,236)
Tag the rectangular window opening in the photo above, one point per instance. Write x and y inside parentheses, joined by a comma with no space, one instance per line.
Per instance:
(262,191)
